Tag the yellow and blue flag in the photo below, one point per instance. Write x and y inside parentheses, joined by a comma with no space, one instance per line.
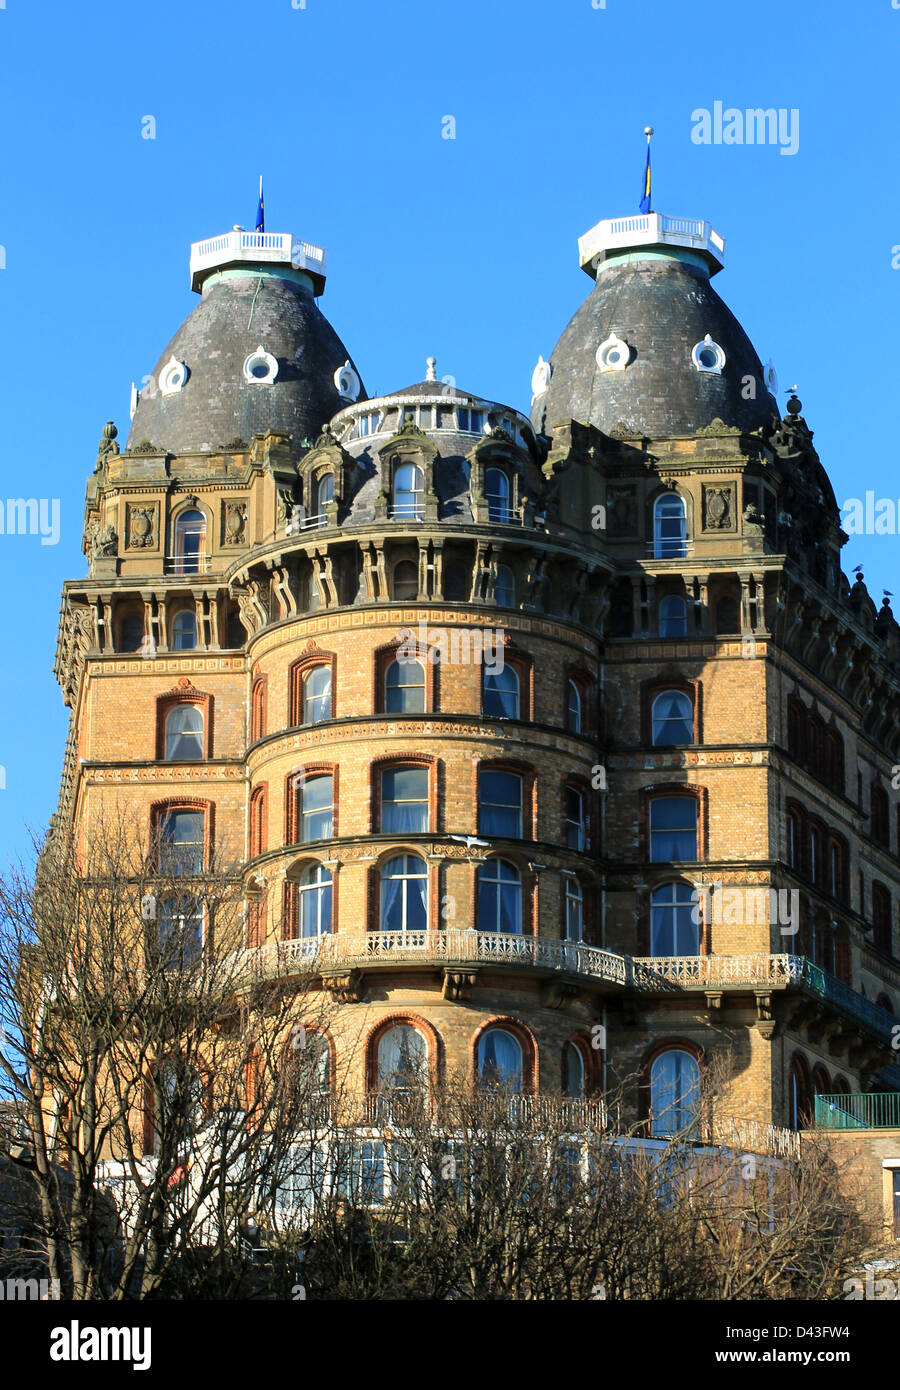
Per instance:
(260,211)
(645,200)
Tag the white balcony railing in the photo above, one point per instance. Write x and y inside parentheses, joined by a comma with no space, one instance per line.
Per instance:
(456,946)
(650,229)
(257,248)
(684,972)
(187,564)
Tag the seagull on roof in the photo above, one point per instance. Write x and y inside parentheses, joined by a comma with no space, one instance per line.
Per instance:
(470,840)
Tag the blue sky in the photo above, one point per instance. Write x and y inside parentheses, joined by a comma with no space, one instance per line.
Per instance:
(465,248)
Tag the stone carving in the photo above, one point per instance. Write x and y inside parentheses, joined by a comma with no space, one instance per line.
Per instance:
(106,545)
(718,426)
(234,523)
(141,528)
(621,511)
(718,508)
(108,448)
(145,447)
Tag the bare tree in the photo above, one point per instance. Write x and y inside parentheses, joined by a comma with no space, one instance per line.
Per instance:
(151,1063)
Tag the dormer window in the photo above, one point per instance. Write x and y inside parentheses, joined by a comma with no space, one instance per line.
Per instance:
(471,421)
(496,490)
(260,368)
(368,424)
(708,356)
(409,483)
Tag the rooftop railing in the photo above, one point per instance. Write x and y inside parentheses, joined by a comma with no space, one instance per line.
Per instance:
(872,1110)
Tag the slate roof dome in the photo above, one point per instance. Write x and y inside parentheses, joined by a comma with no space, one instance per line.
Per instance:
(256,354)
(653,347)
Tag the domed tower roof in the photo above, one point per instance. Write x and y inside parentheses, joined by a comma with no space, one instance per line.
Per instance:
(653,347)
(256,353)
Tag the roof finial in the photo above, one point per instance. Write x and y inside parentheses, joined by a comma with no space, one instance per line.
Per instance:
(431,364)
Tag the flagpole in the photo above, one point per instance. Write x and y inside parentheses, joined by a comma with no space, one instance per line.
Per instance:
(648,131)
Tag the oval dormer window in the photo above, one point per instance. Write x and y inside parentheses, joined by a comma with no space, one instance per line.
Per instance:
(347,382)
(770,377)
(172,377)
(708,356)
(260,368)
(613,355)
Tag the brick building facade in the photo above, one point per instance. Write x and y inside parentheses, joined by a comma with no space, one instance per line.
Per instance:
(542,732)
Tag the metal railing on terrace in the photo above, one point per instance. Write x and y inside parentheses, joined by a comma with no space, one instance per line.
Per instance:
(862,1110)
(187,564)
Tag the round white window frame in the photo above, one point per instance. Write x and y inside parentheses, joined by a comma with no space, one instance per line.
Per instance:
(347,382)
(613,344)
(172,377)
(770,377)
(705,346)
(256,357)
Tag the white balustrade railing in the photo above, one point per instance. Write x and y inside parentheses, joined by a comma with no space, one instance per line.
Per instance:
(661,972)
(455,946)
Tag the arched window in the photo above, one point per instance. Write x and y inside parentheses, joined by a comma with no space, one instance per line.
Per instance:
(258,821)
(499,803)
(800,1101)
(573,708)
(404,894)
(315,900)
(834,752)
(404,687)
(879,816)
(674,921)
(131,638)
(181,842)
(316,808)
(317,695)
(184,631)
(574,897)
(669,527)
(821,1081)
(673,719)
(180,923)
(672,616)
(505,587)
(499,897)
(184,733)
(499,1060)
(881,919)
(258,708)
(500,699)
(815,855)
(324,493)
(576,828)
(496,490)
(190,541)
(674,1091)
(573,1071)
(404,800)
(727,617)
(793,839)
(406,580)
(409,482)
(673,828)
(178,1105)
(402,1060)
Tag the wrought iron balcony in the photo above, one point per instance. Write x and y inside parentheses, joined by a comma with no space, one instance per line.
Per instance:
(872,1110)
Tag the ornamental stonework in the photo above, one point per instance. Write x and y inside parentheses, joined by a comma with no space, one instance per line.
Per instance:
(142,526)
(718,509)
(234,522)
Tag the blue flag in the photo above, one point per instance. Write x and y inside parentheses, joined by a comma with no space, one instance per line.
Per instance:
(260,211)
(645,200)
